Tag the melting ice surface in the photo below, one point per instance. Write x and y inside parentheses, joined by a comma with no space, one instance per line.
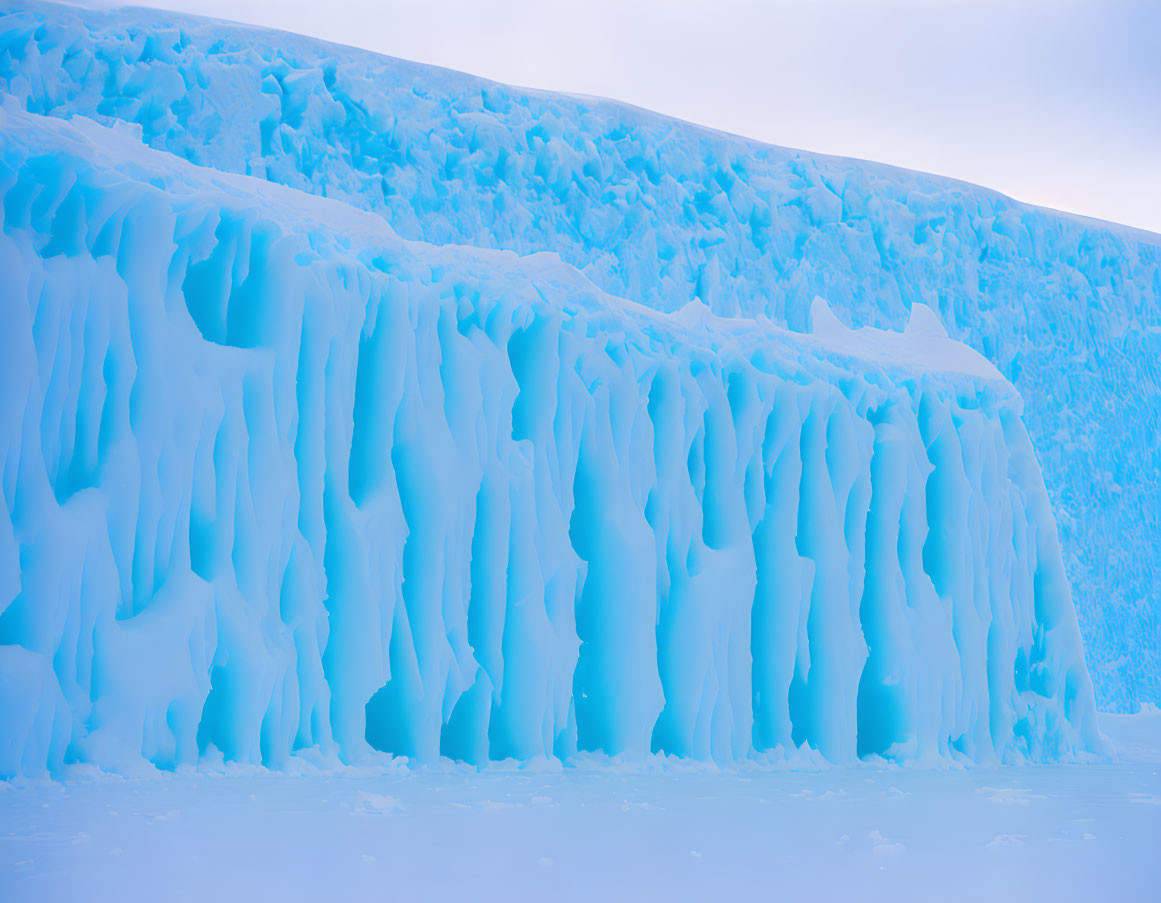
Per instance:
(352,408)
(277,480)
(354,405)
(662,212)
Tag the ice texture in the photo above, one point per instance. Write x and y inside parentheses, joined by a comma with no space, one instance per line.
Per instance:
(663,212)
(278,481)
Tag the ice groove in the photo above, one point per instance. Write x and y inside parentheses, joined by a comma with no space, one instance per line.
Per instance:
(356,494)
(663,212)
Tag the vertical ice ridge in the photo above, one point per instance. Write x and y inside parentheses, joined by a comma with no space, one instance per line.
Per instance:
(663,212)
(436,501)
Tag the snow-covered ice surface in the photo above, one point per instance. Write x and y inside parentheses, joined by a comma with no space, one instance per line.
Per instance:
(661,212)
(1044,833)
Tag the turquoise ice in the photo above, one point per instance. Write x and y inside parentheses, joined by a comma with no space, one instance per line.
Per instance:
(353,406)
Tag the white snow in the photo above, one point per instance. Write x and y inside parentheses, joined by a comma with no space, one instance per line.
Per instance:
(868,833)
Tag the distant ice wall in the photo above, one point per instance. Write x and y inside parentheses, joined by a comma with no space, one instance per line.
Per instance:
(276,480)
(662,212)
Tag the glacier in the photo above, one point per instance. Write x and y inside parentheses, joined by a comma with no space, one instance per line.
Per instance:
(663,213)
(280,482)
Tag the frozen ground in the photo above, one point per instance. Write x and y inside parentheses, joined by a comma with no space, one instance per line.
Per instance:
(1051,833)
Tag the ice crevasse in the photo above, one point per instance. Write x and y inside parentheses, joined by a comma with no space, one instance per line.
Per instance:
(279,482)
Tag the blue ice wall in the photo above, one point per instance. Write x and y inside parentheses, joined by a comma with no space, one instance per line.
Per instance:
(278,482)
(661,212)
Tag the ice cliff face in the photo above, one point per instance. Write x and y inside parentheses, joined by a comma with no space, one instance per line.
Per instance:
(277,480)
(662,212)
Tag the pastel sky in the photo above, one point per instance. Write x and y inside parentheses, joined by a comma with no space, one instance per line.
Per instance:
(1055,102)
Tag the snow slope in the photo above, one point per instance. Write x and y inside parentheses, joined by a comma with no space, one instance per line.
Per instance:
(663,212)
(279,482)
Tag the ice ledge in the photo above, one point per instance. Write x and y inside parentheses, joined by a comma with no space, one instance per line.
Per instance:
(924,346)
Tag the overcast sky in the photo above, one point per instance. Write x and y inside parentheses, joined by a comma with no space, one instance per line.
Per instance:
(1056,102)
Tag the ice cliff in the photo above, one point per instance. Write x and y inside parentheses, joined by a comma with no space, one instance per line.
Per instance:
(662,212)
(277,480)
